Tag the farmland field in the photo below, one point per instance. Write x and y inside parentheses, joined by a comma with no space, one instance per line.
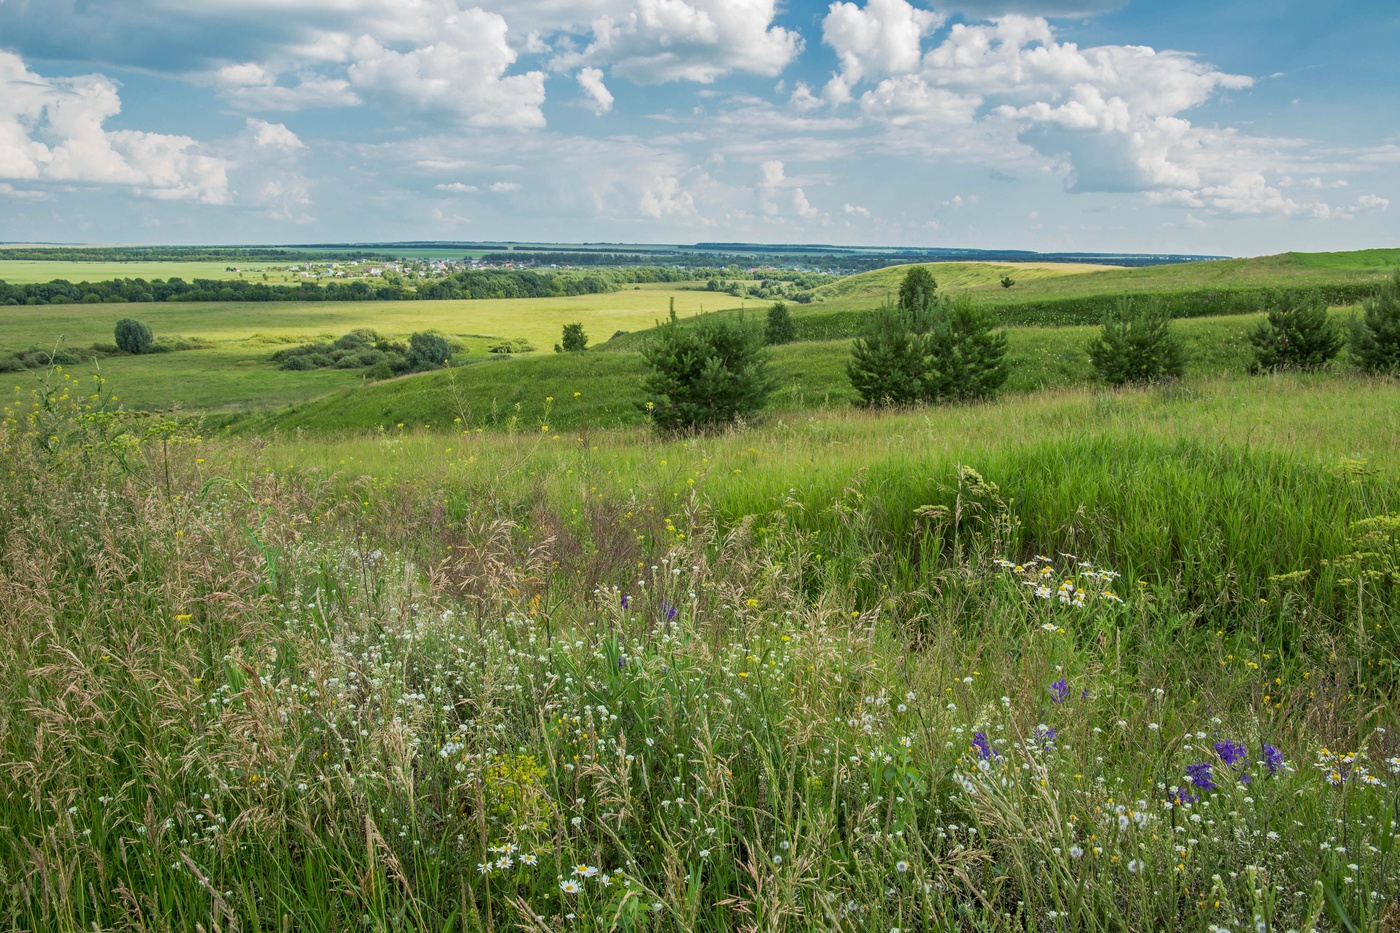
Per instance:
(28,271)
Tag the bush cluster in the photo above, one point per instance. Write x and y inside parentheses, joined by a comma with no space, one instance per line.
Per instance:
(706,376)
(363,348)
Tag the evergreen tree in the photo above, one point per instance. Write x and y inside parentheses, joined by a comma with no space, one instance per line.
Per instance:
(889,360)
(918,292)
(780,327)
(705,375)
(1298,334)
(132,336)
(1136,345)
(967,358)
(1375,336)
(575,340)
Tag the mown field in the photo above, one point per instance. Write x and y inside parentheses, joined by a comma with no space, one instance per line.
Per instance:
(1073,660)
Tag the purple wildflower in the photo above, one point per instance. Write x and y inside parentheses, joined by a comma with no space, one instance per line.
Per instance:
(984,748)
(1181,795)
(1046,735)
(1273,759)
(626,602)
(669,610)
(1232,753)
(1200,776)
(1084,694)
(1059,690)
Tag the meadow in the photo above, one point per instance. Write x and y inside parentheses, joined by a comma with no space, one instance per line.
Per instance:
(1076,660)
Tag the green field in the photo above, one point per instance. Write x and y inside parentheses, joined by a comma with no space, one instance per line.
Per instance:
(795,677)
(29,271)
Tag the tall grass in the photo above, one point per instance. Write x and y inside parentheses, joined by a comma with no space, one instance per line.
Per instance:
(799,677)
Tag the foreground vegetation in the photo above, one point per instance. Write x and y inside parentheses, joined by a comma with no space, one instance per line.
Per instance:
(1074,661)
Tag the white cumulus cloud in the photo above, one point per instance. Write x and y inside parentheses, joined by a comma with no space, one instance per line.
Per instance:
(52,129)
(600,98)
(654,41)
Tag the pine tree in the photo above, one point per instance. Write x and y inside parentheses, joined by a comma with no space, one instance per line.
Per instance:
(780,327)
(705,375)
(1136,345)
(889,360)
(967,358)
(1375,336)
(1298,334)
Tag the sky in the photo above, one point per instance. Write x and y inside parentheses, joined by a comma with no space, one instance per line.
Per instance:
(1231,127)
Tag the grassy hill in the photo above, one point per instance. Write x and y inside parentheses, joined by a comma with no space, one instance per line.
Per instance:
(513,393)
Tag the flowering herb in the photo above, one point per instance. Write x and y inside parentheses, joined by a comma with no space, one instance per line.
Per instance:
(1273,759)
(1059,690)
(984,748)
(1232,753)
(1201,776)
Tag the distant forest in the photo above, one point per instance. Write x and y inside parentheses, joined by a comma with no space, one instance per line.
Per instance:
(469,284)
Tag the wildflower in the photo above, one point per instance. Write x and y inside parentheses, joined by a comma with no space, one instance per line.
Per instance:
(777,860)
(626,602)
(585,871)
(1076,852)
(901,866)
(669,611)
(984,748)
(570,886)
(1200,775)
(529,860)
(1059,690)
(704,853)
(1273,759)
(1134,866)
(1231,752)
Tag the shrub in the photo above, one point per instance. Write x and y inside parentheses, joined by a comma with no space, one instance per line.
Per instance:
(381,370)
(889,360)
(362,338)
(297,364)
(514,345)
(1375,336)
(1298,334)
(1136,345)
(575,340)
(132,336)
(428,351)
(780,327)
(11,364)
(704,376)
(967,359)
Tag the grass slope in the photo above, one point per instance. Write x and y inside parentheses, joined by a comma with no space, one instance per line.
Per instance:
(808,376)
(868,289)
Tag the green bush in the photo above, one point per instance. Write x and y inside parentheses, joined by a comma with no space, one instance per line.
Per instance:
(1375,336)
(428,351)
(704,376)
(575,340)
(514,345)
(1298,334)
(132,336)
(1136,345)
(779,328)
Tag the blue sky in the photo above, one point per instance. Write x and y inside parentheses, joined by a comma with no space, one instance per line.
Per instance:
(1228,127)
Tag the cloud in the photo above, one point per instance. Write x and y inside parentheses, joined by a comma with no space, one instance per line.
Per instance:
(1372,202)
(505,187)
(771,174)
(655,41)
(591,80)
(53,130)
(855,210)
(883,37)
(458,187)
(273,135)
(8,190)
(802,207)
